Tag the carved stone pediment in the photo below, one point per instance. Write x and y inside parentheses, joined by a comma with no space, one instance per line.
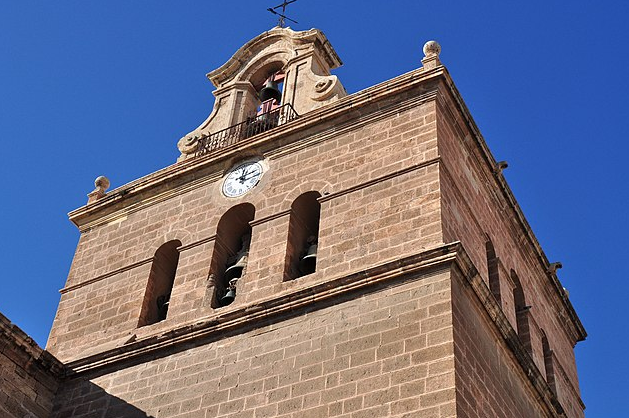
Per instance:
(305,58)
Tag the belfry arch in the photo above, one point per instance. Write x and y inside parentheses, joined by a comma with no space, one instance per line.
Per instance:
(304,60)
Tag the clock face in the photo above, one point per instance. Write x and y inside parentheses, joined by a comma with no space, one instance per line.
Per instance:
(242,179)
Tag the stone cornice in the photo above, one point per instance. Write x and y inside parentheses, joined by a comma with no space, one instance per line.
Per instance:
(196,172)
(501,184)
(228,320)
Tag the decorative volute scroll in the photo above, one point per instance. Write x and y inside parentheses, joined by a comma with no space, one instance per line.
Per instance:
(305,60)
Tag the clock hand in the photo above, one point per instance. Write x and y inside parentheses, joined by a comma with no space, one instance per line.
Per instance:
(243,176)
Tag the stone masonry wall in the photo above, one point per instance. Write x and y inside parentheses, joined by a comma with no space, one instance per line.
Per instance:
(378,179)
(388,353)
(473,208)
(29,376)
(489,382)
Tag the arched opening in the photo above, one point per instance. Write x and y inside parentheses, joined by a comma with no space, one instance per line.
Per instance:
(548,364)
(303,236)
(492,270)
(521,312)
(269,91)
(231,251)
(160,284)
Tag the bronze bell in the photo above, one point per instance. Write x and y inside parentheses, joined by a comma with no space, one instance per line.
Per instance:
(270,91)
(230,295)
(235,271)
(308,262)
(162,306)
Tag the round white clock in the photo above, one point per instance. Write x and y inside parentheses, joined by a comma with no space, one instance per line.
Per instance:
(242,179)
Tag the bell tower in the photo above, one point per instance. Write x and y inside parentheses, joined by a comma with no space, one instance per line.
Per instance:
(316,254)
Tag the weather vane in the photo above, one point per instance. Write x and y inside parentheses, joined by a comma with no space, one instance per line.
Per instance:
(283,18)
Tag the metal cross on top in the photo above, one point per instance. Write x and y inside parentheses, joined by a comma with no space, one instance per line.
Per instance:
(281,23)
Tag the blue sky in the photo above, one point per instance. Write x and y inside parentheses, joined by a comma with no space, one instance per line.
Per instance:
(91,88)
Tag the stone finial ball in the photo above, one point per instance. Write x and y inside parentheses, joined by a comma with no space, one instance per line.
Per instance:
(102,183)
(432,48)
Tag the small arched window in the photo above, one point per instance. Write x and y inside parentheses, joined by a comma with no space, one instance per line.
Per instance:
(521,312)
(492,270)
(160,284)
(303,236)
(548,364)
(231,251)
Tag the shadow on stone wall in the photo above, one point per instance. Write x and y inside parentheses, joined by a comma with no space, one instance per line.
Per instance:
(81,398)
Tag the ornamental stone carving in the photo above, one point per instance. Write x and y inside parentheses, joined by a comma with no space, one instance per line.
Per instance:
(432,49)
(101,185)
(305,58)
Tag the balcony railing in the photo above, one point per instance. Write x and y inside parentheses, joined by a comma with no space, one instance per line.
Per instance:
(250,127)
